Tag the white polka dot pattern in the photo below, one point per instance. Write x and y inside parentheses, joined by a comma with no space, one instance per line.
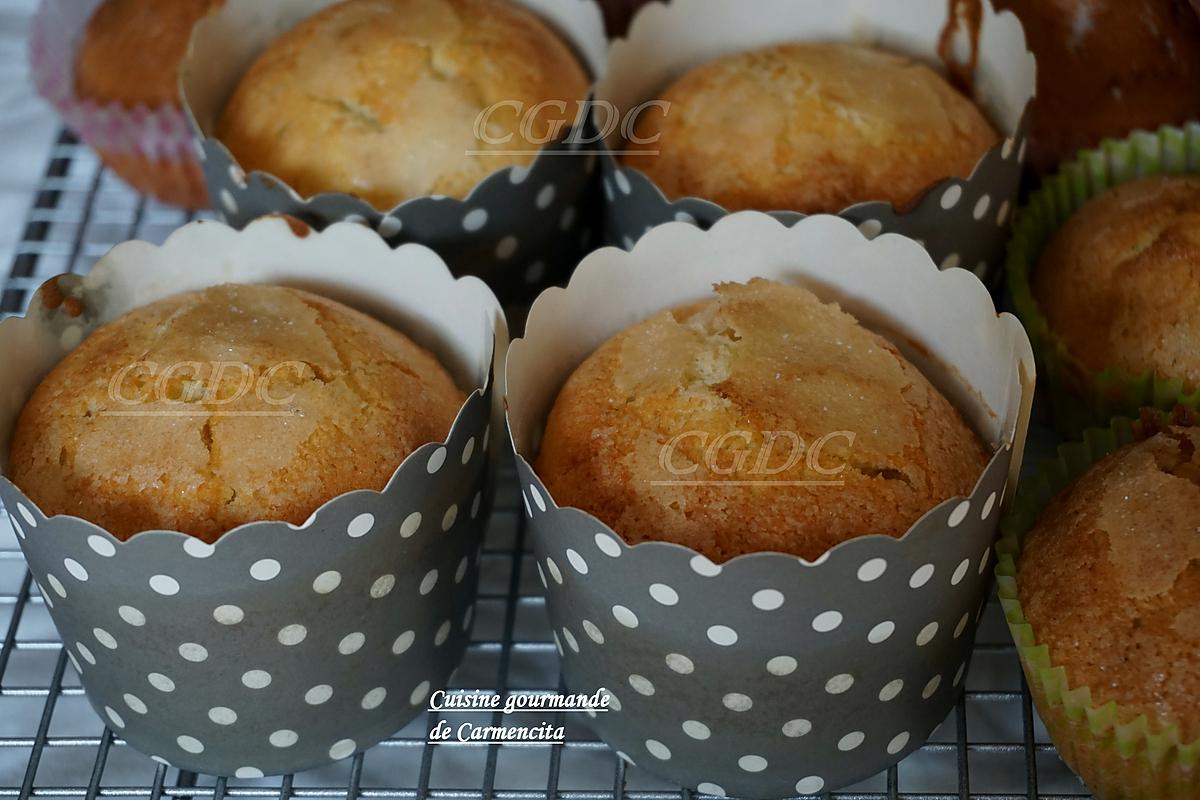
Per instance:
(841,661)
(290,616)
(318,695)
(782,665)
(810,785)
(891,690)
(723,636)
(664,594)
(796,728)
(228,615)
(827,621)
(164,585)
(736,701)
(132,616)
(871,570)
(851,741)
(266,569)
(658,749)
(342,749)
(767,599)
(161,682)
(641,685)
(881,632)
(220,715)
(359,526)
(898,743)
(197,548)
(102,546)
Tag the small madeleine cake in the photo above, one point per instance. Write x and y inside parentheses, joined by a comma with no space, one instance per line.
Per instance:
(1120,282)
(131,49)
(811,127)
(207,410)
(382,98)
(1109,580)
(761,420)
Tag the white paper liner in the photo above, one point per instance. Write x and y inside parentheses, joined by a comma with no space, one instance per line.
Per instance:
(280,647)
(931,584)
(961,221)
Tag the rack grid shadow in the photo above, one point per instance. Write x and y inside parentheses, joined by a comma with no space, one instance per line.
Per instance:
(52,745)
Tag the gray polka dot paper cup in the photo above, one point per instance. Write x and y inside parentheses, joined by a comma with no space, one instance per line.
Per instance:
(962,222)
(520,229)
(770,676)
(282,646)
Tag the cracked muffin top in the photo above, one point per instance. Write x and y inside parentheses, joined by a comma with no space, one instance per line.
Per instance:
(1109,579)
(812,127)
(381,98)
(761,420)
(1120,282)
(131,49)
(211,409)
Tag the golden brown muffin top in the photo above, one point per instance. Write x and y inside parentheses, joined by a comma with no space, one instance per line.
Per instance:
(1106,68)
(812,127)
(635,437)
(131,50)
(138,428)
(1109,578)
(1120,283)
(379,98)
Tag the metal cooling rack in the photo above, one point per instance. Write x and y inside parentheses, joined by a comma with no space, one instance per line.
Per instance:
(52,745)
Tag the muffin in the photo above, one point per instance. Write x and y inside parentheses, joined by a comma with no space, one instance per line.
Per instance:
(385,99)
(1107,67)
(1108,581)
(761,420)
(856,643)
(810,127)
(207,410)
(1119,284)
(125,100)
(364,607)
(131,50)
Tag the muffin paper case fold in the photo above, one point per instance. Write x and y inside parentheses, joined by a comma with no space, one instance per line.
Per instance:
(961,222)
(520,229)
(1118,755)
(282,646)
(1080,397)
(769,676)
(149,148)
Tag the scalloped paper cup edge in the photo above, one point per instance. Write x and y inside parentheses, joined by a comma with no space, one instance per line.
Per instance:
(1004,82)
(409,288)
(1083,398)
(184,263)
(996,406)
(1116,754)
(581,24)
(1005,79)
(678,263)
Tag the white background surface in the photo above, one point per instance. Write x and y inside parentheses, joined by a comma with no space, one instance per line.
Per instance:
(28,126)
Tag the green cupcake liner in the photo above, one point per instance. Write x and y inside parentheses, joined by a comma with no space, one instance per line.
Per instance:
(1081,398)
(1121,757)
